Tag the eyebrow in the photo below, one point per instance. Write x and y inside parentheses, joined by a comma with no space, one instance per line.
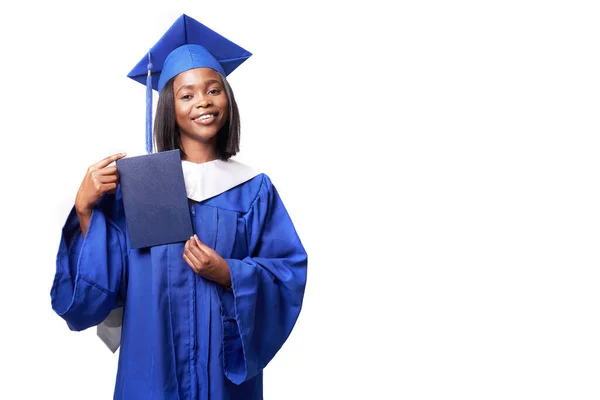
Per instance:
(206,84)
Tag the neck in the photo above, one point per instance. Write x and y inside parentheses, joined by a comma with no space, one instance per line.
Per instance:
(198,152)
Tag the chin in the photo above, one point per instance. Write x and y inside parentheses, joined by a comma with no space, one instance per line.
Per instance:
(202,135)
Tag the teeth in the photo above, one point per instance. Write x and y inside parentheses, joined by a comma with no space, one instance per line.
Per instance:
(205,117)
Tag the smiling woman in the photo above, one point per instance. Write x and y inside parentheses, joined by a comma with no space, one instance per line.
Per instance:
(197,110)
(200,319)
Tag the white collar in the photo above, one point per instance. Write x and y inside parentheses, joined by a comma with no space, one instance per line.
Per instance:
(210,179)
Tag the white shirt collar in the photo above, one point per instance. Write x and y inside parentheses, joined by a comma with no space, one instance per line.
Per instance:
(210,179)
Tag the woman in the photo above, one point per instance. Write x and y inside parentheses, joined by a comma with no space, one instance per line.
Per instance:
(201,319)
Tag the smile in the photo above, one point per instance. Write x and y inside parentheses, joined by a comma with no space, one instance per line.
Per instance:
(204,119)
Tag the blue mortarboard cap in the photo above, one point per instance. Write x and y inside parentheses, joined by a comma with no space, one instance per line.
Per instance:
(186,45)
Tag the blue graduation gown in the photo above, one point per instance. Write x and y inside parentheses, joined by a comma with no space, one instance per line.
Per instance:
(184,337)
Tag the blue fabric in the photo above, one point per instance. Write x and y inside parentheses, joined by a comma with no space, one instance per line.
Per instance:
(184,58)
(185,337)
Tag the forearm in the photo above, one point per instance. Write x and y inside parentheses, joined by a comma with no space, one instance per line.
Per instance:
(84,218)
(224,276)
(219,274)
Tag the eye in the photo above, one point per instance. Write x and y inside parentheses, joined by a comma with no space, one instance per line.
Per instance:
(186,97)
(214,92)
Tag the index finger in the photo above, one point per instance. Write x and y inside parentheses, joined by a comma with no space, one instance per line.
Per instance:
(105,162)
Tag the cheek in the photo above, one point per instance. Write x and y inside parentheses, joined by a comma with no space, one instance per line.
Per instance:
(225,114)
(181,113)
(225,109)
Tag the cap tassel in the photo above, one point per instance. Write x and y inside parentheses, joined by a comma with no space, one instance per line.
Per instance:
(149,106)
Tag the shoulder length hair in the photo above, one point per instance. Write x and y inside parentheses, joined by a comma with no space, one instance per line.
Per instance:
(167,134)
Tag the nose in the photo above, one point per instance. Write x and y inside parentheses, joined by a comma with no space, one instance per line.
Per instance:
(203,103)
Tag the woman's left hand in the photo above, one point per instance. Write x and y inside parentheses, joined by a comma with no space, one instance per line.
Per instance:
(206,262)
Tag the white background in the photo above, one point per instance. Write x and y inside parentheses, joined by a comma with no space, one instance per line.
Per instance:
(439,160)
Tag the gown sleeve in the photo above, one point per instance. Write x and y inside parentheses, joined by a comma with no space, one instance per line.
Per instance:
(267,290)
(90,272)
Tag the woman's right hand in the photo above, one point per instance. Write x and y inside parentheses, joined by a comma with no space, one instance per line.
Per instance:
(99,180)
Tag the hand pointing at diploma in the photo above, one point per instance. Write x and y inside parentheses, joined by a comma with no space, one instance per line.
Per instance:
(99,179)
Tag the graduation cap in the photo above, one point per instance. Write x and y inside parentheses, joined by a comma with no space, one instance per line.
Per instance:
(186,45)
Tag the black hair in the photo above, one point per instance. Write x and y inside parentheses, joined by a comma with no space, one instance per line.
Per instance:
(166,130)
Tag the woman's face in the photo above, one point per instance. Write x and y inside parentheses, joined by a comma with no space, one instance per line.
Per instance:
(201,105)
